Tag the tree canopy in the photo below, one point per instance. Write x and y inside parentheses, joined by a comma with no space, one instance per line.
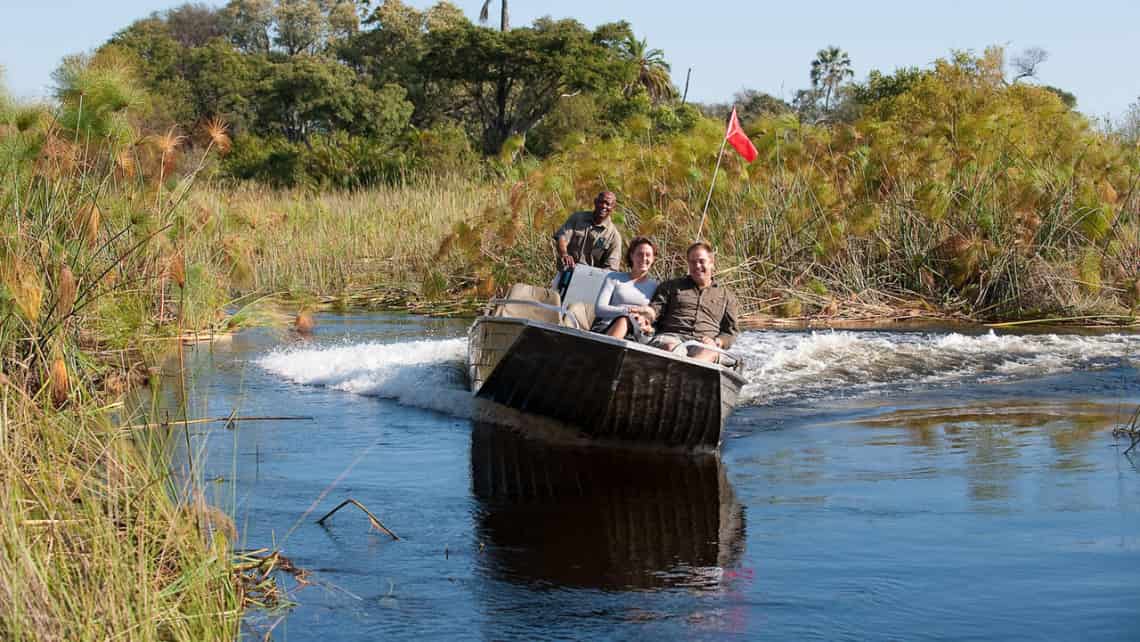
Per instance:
(292,70)
(510,80)
(396,85)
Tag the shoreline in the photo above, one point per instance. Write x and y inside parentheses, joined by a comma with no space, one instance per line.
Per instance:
(883,317)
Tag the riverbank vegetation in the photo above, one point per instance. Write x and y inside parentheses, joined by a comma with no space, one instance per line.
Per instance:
(99,540)
(205,160)
(962,189)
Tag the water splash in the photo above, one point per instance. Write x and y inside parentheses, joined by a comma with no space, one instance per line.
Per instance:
(781,365)
(424,374)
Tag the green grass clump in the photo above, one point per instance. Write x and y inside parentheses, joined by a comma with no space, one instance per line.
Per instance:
(94,547)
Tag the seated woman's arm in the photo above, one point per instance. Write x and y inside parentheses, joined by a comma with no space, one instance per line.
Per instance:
(648,288)
(602,307)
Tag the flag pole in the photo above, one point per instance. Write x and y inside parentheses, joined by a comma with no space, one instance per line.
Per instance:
(719,156)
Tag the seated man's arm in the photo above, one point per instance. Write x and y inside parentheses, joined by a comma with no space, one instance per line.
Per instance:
(728,323)
(660,301)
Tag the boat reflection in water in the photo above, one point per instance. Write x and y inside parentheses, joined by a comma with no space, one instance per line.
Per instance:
(585,517)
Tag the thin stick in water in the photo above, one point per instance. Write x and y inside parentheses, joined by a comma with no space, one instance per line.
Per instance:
(375,522)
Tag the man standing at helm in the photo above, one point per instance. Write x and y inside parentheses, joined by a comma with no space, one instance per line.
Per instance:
(590,237)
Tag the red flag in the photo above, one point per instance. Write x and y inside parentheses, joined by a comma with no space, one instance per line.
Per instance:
(738,139)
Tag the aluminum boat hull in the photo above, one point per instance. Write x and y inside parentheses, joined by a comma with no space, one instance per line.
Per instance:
(605,388)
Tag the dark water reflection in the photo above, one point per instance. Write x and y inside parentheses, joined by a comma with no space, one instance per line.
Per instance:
(603,519)
(965,511)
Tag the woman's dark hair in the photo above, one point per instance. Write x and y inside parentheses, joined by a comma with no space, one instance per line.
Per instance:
(634,244)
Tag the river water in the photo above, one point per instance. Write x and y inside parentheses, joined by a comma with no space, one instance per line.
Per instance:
(901,485)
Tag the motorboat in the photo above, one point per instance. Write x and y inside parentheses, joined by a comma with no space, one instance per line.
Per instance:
(533,352)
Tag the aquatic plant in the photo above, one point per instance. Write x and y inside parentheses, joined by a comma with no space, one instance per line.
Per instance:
(98,541)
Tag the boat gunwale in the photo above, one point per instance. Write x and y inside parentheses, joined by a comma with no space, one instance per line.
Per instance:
(618,343)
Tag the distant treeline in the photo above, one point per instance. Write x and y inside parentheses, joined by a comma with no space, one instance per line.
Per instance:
(337,93)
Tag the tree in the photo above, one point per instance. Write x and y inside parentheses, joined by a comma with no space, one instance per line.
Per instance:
(509,80)
(880,86)
(390,50)
(301,27)
(756,104)
(193,25)
(444,15)
(306,94)
(249,23)
(828,71)
(224,82)
(504,14)
(652,70)
(1025,65)
(750,104)
(343,19)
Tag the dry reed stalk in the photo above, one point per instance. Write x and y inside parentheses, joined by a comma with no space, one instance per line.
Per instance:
(87,221)
(126,163)
(60,383)
(67,291)
(25,288)
(176,268)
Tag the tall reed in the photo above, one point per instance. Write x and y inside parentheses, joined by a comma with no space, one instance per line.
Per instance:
(96,541)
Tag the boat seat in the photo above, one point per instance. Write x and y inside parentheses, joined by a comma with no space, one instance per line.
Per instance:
(527,292)
(583,312)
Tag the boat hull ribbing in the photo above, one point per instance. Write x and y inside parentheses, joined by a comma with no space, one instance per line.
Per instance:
(607,389)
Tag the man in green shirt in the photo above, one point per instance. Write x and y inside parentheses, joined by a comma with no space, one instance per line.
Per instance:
(590,237)
(694,308)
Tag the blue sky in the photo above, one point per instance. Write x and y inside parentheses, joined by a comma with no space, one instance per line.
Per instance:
(730,45)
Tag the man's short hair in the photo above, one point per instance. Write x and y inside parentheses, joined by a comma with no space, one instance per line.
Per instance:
(701,244)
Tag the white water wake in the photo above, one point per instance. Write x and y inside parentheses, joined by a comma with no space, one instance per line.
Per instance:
(783,365)
(780,365)
(425,374)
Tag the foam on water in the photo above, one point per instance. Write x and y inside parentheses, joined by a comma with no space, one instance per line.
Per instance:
(780,365)
(783,365)
(425,374)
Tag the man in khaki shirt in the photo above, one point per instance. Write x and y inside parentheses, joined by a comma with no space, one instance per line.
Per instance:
(693,308)
(590,237)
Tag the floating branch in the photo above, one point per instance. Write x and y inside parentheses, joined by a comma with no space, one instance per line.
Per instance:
(372,518)
(253,571)
(210,420)
(1129,430)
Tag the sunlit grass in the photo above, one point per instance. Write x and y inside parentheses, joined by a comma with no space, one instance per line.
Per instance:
(93,545)
(301,243)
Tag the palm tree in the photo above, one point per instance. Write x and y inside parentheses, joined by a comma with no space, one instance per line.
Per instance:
(652,70)
(504,16)
(829,69)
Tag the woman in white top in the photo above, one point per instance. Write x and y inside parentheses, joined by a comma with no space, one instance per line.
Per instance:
(622,309)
